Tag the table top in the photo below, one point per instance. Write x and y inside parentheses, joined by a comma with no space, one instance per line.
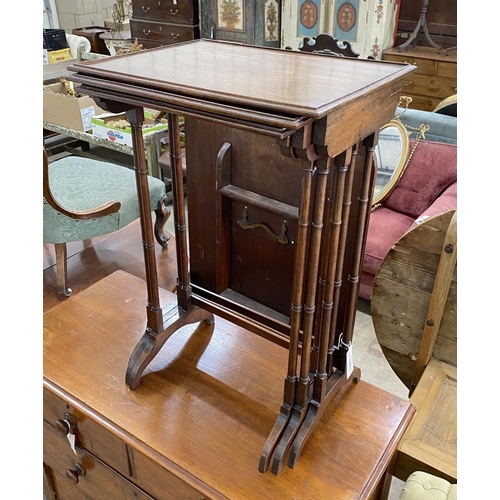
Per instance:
(116,35)
(283,81)
(52,72)
(209,399)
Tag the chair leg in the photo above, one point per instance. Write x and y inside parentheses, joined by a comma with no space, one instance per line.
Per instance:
(162,216)
(62,269)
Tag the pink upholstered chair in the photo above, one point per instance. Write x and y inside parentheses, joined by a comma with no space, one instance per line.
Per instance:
(428,187)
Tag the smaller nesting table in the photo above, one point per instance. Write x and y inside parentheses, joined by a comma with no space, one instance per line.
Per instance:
(118,39)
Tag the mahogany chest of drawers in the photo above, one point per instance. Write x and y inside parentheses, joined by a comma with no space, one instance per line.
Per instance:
(435,78)
(163,22)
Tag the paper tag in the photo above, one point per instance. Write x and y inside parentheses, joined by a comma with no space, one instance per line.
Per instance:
(72,439)
(87,114)
(349,366)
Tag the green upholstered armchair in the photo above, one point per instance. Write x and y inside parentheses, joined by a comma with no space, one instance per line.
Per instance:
(85,198)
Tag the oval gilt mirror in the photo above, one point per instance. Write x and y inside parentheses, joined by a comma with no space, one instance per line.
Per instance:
(391,154)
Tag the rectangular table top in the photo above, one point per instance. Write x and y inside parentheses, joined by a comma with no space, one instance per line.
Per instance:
(265,78)
(208,400)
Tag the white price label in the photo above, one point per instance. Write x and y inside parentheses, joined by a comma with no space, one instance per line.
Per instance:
(72,439)
(349,365)
(87,114)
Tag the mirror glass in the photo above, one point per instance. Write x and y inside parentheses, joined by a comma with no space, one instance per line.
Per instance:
(391,154)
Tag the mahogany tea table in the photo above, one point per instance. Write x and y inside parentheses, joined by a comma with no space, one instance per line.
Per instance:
(279,154)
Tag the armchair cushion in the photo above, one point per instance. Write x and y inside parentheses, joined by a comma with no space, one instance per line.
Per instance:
(81,184)
(432,169)
(423,486)
(384,230)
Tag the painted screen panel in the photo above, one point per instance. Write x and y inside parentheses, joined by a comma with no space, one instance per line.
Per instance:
(308,18)
(346,20)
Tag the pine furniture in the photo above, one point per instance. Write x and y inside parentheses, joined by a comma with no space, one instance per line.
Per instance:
(279,148)
(435,77)
(195,427)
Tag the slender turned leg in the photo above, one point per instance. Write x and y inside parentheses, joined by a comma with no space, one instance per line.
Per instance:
(154,312)
(183,286)
(334,339)
(325,384)
(363,217)
(160,327)
(295,320)
(304,383)
(62,269)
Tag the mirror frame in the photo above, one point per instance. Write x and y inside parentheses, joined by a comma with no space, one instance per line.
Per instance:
(400,168)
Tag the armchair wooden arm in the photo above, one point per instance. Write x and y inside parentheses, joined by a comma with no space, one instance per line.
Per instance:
(100,211)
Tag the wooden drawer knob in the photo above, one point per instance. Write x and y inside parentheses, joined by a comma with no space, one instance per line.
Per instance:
(74,474)
(67,425)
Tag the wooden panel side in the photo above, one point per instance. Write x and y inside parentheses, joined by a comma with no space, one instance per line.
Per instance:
(401,295)
(357,119)
(430,443)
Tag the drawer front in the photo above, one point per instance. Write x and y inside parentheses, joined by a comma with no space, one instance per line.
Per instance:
(432,87)
(97,481)
(446,70)
(165,11)
(89,434)
(158,482)
(424,66)
(162,32)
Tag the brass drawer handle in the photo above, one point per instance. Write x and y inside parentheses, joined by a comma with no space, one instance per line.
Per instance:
(175,36)
(174,12)
(145,9)
(413,63)
(281,238)
(407,84)
(146,32)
